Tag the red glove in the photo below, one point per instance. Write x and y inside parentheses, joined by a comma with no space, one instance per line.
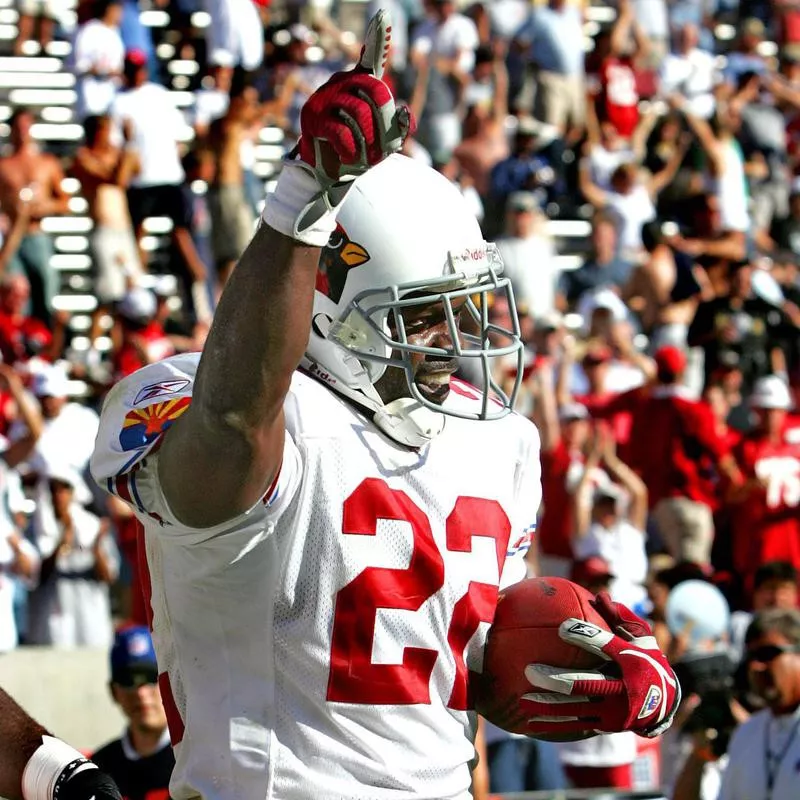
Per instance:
(637,690)
(351,123)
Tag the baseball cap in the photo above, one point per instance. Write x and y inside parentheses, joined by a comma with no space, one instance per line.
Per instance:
(670,360)
(133,658)
(51,381)
(549,321)
(753,27)
(138,305)
(770,392)
(597,354)
(572,411)
(136,57)
(522,201)
(66,473)
(591,569)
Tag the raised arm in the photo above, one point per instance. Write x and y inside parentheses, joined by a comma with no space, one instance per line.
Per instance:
(232,436)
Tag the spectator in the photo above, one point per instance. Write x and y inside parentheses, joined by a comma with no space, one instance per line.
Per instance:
(484,141)
(142,337)
(232,221)
(22,337)
(746,56)
(105,172)
(766,515)
(765,749)
(69,427)
(71,606)
(740,322)
(19,560)
(47,12)
(610,521)
(603,267)
(98,55)
(40,175)
(690,72)
(235,36)
(775,585)
(553,37)
(443,49)
(529,256)
(141,760)
(156,128)
(669,432)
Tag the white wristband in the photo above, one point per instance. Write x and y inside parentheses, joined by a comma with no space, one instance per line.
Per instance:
(41,774)
(297,189)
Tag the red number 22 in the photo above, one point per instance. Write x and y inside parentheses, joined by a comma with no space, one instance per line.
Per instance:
(354,678)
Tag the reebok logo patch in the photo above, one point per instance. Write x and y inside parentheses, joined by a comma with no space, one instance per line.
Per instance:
(584,629)
(651,702)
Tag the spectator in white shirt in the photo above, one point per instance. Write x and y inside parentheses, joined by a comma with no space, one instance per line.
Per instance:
(443,53)
(529,255)
(235,37)
(71,607)
(691,72)
(157,128)
(98,55)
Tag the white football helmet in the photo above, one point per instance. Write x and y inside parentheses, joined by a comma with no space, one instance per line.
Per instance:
(406,237)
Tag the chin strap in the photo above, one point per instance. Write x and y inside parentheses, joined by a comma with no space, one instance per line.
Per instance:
(405,420)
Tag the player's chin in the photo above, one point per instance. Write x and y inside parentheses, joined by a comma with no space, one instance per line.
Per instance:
(434,391)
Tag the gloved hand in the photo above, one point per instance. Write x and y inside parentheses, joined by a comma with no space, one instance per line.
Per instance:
(636,691)
(347,126)
(88,784)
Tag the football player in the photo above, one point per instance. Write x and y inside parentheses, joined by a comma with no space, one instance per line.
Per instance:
(36,766)
(328,513)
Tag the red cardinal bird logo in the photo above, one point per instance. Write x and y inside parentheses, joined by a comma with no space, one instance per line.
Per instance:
(338,256)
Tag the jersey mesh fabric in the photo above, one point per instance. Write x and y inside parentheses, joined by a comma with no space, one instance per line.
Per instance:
(244,612)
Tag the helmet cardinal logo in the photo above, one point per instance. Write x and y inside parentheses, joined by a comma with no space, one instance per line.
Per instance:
(337,257)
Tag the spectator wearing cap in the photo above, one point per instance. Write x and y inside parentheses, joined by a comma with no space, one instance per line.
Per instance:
(529,255)
(670,432)
(602,268)
(71,606)
(156,128)
(142,337)
(610,519)
(526,169)
(98,57)
(605,760)
(766,517)
(141,760)
(745,56)
(742,323)
(68,434)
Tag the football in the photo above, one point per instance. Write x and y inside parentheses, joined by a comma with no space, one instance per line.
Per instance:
(525,631)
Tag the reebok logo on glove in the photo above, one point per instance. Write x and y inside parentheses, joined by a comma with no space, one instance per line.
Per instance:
(585,629)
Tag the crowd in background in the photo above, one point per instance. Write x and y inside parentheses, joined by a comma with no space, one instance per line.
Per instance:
(663,356)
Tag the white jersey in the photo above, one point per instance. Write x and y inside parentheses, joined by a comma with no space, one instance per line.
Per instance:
(319,645)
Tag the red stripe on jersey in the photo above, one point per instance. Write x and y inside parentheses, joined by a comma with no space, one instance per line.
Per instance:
(144,574)
(123,490)
(268,499)
(174,721)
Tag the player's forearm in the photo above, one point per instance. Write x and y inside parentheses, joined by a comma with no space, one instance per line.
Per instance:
(20,737)
(259,333)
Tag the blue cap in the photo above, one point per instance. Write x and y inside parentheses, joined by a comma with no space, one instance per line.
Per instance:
(133,658)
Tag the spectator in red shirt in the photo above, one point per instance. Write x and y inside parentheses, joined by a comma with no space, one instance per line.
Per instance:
(670,435)
(21,336)
(766,522)
(565,437)
(143,339)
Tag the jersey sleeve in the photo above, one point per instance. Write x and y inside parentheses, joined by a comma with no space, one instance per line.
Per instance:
(528,494)
(137,413)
